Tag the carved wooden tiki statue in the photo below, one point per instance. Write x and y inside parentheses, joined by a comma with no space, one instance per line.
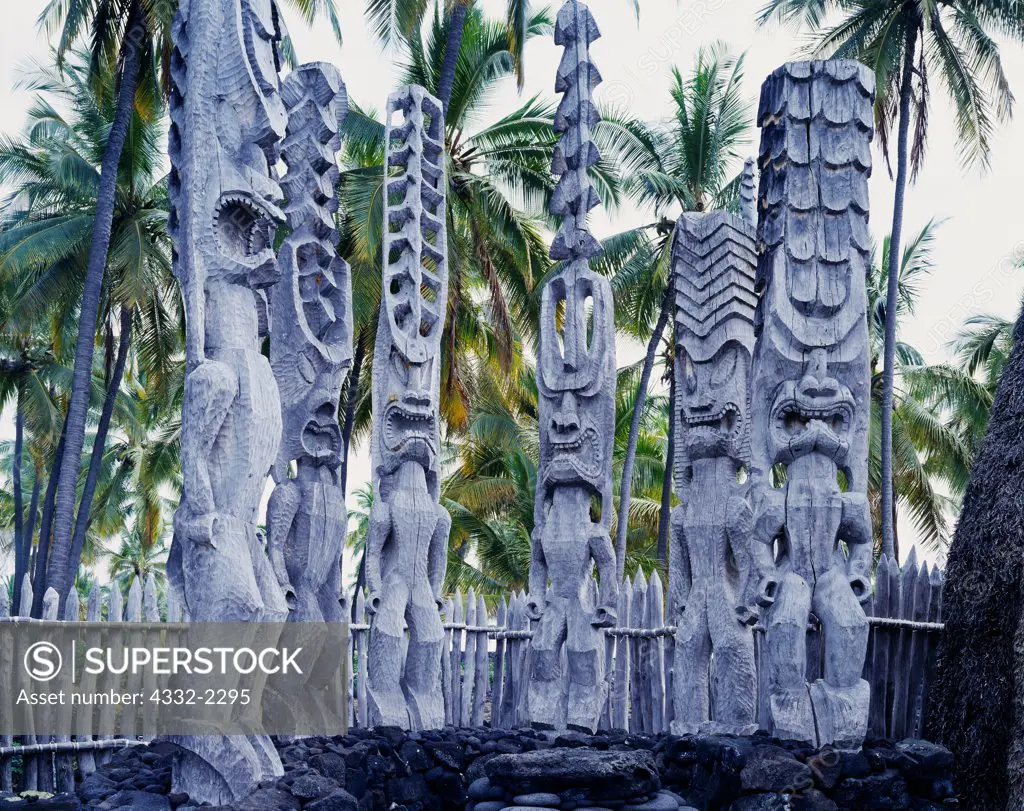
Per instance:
(713,265)
(227,120)
(576,382)
(812,401)
(407,544)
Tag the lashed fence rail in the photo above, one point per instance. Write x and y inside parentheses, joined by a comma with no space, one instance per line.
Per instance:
(486,664)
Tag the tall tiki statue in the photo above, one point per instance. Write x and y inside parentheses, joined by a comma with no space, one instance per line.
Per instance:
(812,399)
(714,260)
(310,352)
(407,543)
(576,383)
(227,119)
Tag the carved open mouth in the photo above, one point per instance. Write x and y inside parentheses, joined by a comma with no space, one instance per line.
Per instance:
(404,424)
(793,417)
(575,457)
(245,228)
(727,421)
(321,441)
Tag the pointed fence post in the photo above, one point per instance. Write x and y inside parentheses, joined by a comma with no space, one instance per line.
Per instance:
(880,645)
(446,662)
(115,640)
(458,618)
(508,694)
(64,766)
(361,637)
(499,665)
(922,607)
(931,641)
(908,597)
(30,766)
(640,681)
(151,616)
(45,768)
(524,662)
(469,660)
(620,701)
(656,658)
(84,721)
(480,689)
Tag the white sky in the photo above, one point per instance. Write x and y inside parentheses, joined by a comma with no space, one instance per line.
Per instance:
(975,247)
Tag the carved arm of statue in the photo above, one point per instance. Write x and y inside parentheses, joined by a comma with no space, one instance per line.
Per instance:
(855,529)
(377,532)
(769,520)
(437,562)
(210,390)
(603,553)
(281,511)
(538,576)
(679,569)
(739,531)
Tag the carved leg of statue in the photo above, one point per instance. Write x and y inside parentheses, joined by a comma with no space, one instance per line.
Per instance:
(585,655)
(841,699)
(786,646)
(733,675)
(386,702)
(547,701)
(690,668)
(423,663)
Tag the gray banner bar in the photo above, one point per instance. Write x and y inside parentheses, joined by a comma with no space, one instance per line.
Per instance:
(172,678)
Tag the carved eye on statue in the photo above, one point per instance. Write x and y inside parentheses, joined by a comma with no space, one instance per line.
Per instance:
(400,367)
(689,374)
(725,368)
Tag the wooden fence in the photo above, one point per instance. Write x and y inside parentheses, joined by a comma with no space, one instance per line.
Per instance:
(486,664)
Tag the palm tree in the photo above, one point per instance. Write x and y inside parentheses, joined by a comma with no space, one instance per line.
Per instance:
(48,220)
(398,22)
(904,41)
(128,40)
(683,166)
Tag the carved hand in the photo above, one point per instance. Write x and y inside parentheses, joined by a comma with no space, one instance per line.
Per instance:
(534,607)
(746,615)
(767,590)
(861,588)
(606,617)
(201,528)
(373,604)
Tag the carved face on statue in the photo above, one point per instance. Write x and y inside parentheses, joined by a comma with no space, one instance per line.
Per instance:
(576,380)
(812,415)
(576,452)
(711,396)
(409,427)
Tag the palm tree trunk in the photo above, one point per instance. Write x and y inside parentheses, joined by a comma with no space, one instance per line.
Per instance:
(29,531)
(43,550)
(98,448)
(351,398)
(19,515)
(892,293)
(634,435)
(664,517)
(456,25)
(78,407)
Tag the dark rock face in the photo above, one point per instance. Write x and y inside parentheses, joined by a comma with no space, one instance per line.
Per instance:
(465,770)
(605,775)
